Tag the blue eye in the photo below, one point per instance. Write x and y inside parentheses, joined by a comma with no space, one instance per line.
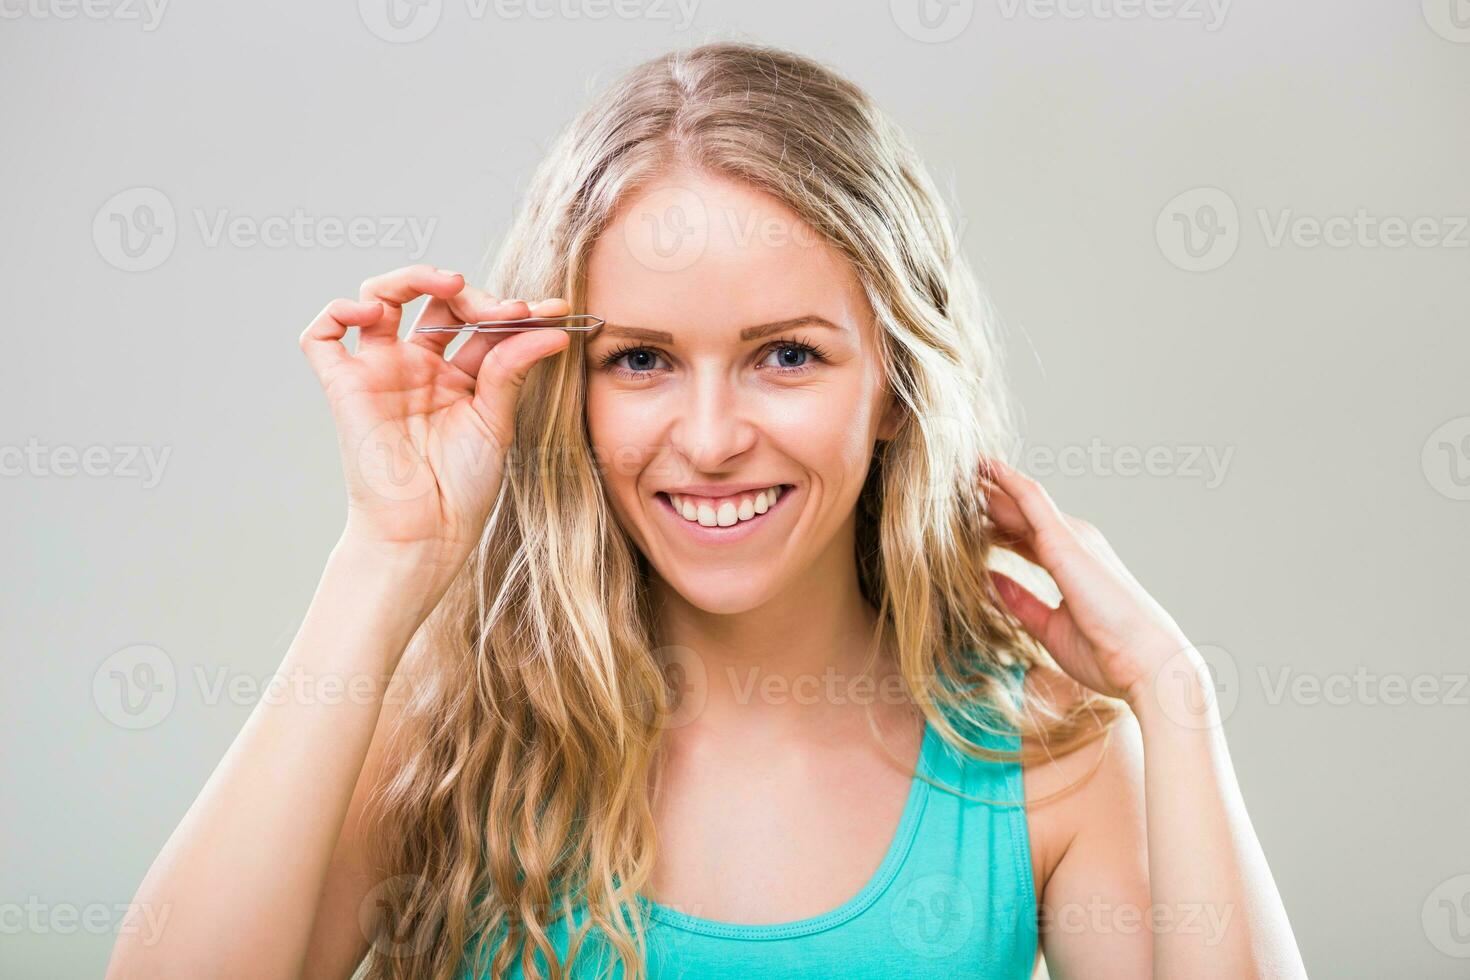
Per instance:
(793,359)
(644,357)
(800,353)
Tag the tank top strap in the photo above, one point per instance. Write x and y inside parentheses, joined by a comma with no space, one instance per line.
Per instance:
(965,892)
(993,780)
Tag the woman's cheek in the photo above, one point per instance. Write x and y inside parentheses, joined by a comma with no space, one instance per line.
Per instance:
(829,433)
(626,431)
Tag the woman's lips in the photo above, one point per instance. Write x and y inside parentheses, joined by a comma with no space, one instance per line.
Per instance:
(724,535)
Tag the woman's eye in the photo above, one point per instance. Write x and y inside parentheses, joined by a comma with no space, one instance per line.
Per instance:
(790,356)
(640,360)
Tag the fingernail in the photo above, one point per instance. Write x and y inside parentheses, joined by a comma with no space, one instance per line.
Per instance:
(446,272)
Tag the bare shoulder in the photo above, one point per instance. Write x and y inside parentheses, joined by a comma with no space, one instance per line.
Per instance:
(1098,785)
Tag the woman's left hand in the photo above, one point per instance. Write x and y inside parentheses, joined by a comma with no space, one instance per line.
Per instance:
(1108,634)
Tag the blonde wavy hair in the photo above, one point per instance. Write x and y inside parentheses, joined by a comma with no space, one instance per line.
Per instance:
(529,744)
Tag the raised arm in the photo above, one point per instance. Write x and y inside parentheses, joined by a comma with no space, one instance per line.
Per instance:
(1164,875)
(266,870)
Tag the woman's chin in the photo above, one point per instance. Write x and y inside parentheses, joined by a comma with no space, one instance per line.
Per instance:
(720,592)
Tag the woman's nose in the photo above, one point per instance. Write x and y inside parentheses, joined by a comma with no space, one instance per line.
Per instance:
(712,426)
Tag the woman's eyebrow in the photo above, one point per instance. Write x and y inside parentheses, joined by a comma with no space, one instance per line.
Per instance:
(746,333)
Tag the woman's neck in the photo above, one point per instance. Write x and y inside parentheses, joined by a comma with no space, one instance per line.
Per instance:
(804,658)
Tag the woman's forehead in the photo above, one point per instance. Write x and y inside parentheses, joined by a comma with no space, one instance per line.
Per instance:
(696,225)
(720,253)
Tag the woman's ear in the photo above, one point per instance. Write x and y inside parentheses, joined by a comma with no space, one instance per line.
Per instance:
(892,418)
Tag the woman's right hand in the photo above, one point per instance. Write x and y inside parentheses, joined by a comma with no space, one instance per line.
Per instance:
(424,438)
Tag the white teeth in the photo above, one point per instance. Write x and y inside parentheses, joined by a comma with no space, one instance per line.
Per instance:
(696,510)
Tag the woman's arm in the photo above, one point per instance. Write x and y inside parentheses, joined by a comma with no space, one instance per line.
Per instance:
(241,876)
(1205,862)
(266,872)
(1165,798)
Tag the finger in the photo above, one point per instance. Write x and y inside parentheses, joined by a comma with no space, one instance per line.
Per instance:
(1018,546)
(1052,628)
(1050,534)
(1077,566)
(469,305)
(1036,505)
(1094,540)
(471,356)
(398,288)
(503,372)
(321,341)
(1012,531)
(1007,515)
(1002,508)
(1010,528)
(479,343)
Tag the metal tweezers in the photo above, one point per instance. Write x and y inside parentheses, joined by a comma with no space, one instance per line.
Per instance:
(577,323)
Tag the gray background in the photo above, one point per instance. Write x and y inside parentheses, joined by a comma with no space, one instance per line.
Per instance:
(1329,549)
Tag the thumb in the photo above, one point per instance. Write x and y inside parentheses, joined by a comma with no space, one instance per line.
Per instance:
(503,373)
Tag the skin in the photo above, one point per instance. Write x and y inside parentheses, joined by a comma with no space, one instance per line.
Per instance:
(704,406)
(770,807)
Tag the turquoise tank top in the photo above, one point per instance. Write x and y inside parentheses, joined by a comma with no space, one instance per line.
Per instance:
(953,896)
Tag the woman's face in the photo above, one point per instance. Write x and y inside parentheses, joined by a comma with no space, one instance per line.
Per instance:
(735,394)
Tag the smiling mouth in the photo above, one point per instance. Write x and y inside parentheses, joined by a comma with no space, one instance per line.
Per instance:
(724,513)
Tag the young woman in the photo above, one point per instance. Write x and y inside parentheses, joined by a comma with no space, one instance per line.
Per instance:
(676,645)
